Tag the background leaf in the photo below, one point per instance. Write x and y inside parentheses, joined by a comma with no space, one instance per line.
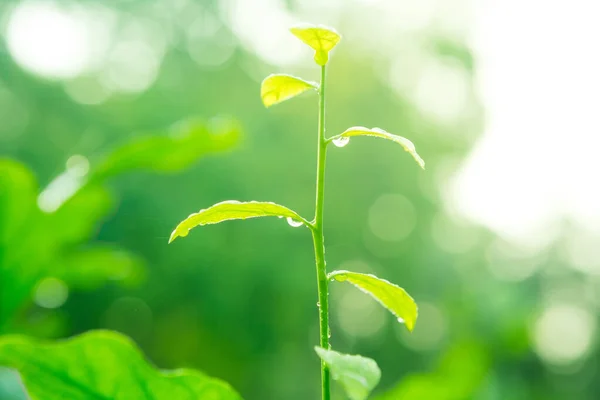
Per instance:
(358,375)
(392,297)
(91,267)
(380,133)
(181,146)
(232,209)
(101,365)
(280,87)
(321,38)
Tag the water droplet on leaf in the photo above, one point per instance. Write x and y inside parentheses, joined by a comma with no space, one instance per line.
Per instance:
(292,222)
(341,141)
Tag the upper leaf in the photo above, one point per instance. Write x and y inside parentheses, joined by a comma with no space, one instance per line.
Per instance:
(392,297)
(232,209)
(321,38)
(358,375)
(276,88)
(101,365)
(380,133)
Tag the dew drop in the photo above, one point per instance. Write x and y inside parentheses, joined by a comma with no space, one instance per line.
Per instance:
(318,304)
(292,222)
(341,142)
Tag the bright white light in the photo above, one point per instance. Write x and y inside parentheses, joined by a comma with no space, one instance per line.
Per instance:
(48,40)
(536,163)
(564,334)
(582,251)
(262,26)
(442,91)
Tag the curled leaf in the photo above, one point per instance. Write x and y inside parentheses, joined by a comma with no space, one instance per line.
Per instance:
(232,209)
(101,365)
(380,133)
(357,374)
(321,38)
(392,297)
(276,88)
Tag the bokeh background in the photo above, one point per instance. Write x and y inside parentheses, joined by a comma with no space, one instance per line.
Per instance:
(120,118)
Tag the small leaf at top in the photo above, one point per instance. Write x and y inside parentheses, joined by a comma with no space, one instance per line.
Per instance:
(392,297)
(358,375)
(321,38)
(280,87)
(101,365)
(380,133)
(231,209)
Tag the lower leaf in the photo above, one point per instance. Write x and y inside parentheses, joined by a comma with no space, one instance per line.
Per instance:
(358,375)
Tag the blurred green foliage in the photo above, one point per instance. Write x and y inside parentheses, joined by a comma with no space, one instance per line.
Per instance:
(237,300)
(101,365)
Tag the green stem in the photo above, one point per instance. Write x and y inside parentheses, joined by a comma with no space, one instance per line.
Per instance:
(318,240)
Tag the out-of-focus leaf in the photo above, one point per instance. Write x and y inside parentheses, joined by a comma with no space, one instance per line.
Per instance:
(18,190)
(78,218)
(280,87)
(42,241)
(101,365)
(380,133)
(184,144)
(321,38)
(357,374)
(90,268)
(461,371)
(232,209)
(35,244)
(392,297)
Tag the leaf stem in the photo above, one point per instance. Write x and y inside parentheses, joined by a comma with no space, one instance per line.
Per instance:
(318,240)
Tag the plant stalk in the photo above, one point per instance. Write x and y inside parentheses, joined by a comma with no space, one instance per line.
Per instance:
(318,241)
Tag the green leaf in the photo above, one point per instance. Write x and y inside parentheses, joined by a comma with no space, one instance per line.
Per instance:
(358,375)
(380,133)
(92,267)
(276,88)
(101,365)
(392,297)
(232,209)
(321,38)
(179,148)
(18,192)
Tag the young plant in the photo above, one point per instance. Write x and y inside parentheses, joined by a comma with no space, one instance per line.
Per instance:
(358,375)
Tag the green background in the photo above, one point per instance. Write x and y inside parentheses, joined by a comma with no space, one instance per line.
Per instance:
(238,300)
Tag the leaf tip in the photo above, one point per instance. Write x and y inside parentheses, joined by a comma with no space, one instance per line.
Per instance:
(177,233)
